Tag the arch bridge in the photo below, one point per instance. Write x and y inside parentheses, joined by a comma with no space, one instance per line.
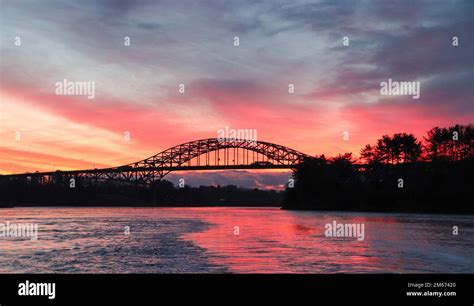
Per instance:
(204,154)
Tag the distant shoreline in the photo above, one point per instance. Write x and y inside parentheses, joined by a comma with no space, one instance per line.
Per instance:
(139,206)
(385,211)
(247,206)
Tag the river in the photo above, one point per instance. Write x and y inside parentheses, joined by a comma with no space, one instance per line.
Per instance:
(232,240)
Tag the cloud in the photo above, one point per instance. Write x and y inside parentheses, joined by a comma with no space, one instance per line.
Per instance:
(247,179)
(245,86)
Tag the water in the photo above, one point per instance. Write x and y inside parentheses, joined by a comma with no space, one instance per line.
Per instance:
(204,240)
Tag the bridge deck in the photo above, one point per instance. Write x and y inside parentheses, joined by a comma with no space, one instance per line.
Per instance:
(122,169)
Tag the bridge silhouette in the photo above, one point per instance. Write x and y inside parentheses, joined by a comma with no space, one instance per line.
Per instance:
(204,154)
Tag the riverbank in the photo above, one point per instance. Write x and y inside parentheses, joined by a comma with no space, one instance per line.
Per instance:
(403,211)
(444,187)
(162,194)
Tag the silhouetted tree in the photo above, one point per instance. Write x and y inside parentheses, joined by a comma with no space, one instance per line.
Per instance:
(345,158)
(384,150)
(342,165)
(369,154)
(337,184)
(452,143)
(409,149)
(401,147)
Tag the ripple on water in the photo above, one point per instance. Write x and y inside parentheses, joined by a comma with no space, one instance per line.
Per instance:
(202,240)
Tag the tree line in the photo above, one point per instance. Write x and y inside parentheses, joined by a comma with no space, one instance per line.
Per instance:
(163,193)
(453,143)
(397,173)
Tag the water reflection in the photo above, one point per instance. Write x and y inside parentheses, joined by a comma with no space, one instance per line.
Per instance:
(239,240)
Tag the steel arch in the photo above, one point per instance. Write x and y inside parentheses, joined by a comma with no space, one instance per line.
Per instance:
(175,158)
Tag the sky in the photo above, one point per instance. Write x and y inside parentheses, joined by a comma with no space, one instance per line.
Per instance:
(336,85)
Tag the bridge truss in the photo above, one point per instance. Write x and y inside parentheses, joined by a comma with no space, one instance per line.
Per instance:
(204,154)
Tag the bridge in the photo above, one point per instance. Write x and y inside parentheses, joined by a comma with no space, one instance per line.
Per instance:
(204,154)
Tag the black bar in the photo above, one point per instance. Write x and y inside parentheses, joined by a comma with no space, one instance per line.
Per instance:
(300,289)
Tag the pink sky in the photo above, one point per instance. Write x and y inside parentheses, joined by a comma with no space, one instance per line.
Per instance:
(246,86)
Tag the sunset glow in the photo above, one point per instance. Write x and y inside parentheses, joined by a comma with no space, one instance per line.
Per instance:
(336,87)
